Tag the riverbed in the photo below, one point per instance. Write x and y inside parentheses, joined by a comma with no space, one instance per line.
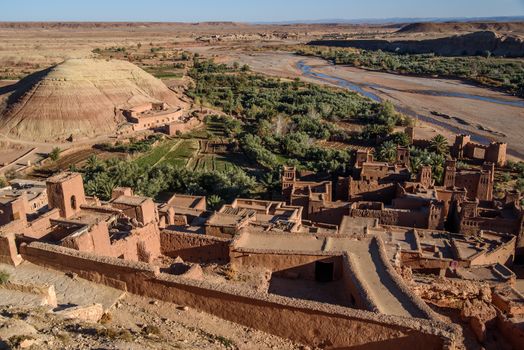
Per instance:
(448,106)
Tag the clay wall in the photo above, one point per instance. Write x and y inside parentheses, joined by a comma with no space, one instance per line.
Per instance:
(95,240)
(144,122)
(180,127)
(327,213)
(16,209)
(392,217)
(504,254)
(371,191)
(8,251)
(361,329)
(142,244)
(194,247)
(512,330)
(509,307)
(67,195)
(473,226)
(416,261)
(288,265)
(221,231)
(40,226)
(357,293)
(144,213)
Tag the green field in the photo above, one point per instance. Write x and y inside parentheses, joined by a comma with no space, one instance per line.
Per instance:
(186,152)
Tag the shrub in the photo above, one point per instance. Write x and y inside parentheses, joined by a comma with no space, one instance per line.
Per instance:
(55,154)
(4,277)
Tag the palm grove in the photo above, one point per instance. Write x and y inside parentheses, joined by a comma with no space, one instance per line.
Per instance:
(273,122)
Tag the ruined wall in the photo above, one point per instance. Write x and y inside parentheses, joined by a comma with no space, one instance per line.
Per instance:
(328,213)
(194,247)
(180,127)
(95,240)
(473,226)
(328,326)
(371,191)
(390,217)
(40,226)
(8,252)
(143,244)
(504,254)
(512,331)
(14,210)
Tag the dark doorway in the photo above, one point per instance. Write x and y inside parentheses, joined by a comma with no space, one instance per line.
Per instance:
(324,271)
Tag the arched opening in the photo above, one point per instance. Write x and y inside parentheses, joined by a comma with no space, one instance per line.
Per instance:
(73,202)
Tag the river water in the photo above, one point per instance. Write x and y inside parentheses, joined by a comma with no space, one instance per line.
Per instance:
(363,90)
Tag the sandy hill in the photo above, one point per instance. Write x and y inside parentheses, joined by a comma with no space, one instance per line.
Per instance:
(456,27)
(78,97)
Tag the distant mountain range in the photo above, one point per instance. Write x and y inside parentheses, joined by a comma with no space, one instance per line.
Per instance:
(401,20)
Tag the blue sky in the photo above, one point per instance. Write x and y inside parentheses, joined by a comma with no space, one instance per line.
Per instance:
(249,10)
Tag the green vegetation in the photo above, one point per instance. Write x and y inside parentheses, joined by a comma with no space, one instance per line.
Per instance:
(101,177)
(515,179)
(281,121)
(424,157)
(3,182)
(134,146)
(55,154)
(175,70)
(4,277)
(439,144)
(504,73)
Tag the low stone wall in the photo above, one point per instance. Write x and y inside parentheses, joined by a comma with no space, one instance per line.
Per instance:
(328,326)
(194,247)
(46,292)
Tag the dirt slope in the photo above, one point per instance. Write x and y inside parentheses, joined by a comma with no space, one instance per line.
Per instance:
(78,97)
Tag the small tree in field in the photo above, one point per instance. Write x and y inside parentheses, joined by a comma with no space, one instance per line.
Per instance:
(55,154)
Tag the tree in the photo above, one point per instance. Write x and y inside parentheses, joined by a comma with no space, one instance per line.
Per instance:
(387,152)
(10,174)
(55,154)
(439,145)
(271,183)
(3,182)
(214,202)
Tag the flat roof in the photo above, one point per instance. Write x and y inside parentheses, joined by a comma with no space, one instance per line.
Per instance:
(130,200)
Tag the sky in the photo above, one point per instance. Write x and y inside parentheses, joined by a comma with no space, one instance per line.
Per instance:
(249,10)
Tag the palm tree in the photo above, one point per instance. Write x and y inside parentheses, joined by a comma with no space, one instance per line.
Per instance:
(55,154)
(388,151)
(214,202)
(271,183)
(439,144)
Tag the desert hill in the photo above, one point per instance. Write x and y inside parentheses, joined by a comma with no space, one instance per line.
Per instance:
(463,27)
(78,97)
(472,44)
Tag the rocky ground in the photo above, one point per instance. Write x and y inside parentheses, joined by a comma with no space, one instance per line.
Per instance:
(134,323)
(93,316)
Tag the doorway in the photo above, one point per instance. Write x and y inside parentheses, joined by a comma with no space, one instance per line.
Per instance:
(324,271)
